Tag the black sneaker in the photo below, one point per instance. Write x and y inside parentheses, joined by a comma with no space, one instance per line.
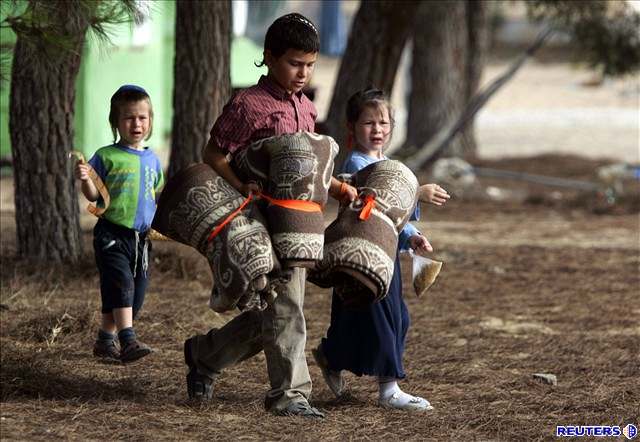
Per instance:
(199,387)
(106,350)
(134,350)
(302,409)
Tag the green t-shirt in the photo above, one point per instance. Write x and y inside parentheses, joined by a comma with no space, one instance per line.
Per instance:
(132,178)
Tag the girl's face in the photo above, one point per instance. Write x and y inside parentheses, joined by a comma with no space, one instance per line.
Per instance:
(134,122)
(292,70)
(373,130)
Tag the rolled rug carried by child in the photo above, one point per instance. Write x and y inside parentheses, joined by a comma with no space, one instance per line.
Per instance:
(360,245)
(295,172)
(193,203)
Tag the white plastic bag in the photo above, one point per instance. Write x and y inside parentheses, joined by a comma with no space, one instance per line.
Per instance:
(425,272)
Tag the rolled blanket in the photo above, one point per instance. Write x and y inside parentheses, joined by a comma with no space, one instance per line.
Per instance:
(292,167)
(238,255)
(192,204)
(361,244)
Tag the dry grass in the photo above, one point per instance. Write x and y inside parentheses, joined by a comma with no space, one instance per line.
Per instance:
(497,314)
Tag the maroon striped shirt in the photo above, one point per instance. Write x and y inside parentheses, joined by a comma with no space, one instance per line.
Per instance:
(262,111)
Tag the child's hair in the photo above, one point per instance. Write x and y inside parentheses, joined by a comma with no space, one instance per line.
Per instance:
(291,31)
(369,97)
(128,93)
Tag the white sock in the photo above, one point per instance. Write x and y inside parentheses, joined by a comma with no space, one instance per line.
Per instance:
(390,388)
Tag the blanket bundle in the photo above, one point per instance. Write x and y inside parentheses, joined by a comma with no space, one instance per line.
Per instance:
(361,244)
(192,204)
(284,229)
(292,168)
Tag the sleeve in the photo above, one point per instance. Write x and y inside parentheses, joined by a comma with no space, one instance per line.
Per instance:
(403,238)
(415,216)
(98,165)
(233,128)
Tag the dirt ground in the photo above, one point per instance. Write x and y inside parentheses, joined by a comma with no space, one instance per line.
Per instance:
(545,281)
(542,285)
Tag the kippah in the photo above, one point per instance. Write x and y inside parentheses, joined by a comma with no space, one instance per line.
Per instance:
(130,88)
(298,17)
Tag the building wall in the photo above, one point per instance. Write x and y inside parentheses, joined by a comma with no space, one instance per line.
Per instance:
(7,37)
(141,55)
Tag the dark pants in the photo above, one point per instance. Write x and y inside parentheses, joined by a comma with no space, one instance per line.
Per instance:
(280,331)
(122,256)
(369,341)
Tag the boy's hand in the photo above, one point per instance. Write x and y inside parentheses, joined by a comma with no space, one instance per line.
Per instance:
(249,188)
(419,244)
(81,171)
(434,194)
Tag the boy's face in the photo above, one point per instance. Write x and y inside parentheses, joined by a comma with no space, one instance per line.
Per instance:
(292,70)
(134,122)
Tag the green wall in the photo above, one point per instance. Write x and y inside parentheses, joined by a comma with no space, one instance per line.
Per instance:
(130,60)
(105,67)
(7,37)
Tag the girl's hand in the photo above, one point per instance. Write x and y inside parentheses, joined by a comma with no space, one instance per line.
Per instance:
(419,244)
(434,194)
(81,171)
(342,191)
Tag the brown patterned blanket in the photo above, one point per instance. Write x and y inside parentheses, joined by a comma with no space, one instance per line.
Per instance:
(359,253)
(290,167)
(192,204)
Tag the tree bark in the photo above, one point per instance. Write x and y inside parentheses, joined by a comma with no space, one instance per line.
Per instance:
(478,38)
(378,35)
(41,114)
(202,83)
(449,55)
(438,71)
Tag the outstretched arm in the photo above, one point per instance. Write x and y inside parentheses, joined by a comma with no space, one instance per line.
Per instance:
(433,193)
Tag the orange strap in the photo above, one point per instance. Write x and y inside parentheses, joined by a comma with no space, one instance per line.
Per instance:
(303,206)
(232,215)
(369,204)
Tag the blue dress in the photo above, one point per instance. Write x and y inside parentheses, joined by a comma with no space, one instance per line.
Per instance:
(370,341)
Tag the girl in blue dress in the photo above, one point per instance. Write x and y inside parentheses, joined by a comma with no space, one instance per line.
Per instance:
(370,341)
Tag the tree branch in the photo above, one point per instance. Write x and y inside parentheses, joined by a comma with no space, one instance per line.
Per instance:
(435,147)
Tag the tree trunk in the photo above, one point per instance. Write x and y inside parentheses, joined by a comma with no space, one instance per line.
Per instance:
(478,32)
(41,125)
(202,82)
(378,35)
(438,71)
(455,34)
